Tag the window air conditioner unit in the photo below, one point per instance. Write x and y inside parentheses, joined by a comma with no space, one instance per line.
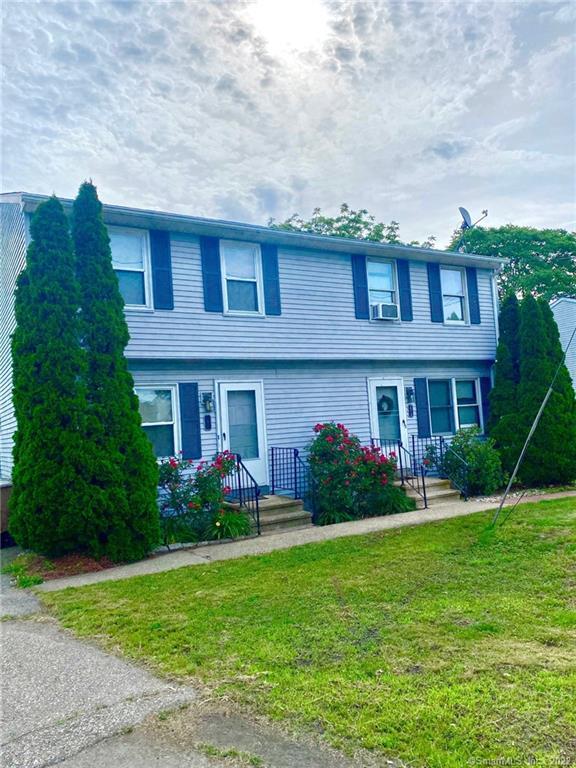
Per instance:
(384,311)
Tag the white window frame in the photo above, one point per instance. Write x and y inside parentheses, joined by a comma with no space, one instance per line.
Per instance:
(258,279)
(173,388)
(477,404)
(374,260)
(146,264)
(462,270)
(455,415)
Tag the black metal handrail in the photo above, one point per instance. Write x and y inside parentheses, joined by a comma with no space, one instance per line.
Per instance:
(290,474)
(242,489)
(411,471)
(457,475)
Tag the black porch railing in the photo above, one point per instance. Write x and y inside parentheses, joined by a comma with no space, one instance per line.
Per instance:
(411,471)
(290,475)
(243,490)
(438,456)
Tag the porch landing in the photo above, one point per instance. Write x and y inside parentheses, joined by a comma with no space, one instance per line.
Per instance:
(285,539)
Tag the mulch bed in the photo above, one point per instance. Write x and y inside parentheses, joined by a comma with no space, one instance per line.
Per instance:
(67,565)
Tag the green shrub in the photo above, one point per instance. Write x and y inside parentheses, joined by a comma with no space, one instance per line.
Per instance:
(484,474)
(192,505)
(352,481)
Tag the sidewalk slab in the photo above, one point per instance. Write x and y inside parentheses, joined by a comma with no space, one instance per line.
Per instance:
(61,696)
(283,540)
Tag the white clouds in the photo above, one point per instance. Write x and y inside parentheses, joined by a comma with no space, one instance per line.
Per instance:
(184,106)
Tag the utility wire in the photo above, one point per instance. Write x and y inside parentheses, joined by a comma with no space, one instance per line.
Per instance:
(532,430)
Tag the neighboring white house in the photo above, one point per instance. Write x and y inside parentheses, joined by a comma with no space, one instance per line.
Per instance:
(565,313)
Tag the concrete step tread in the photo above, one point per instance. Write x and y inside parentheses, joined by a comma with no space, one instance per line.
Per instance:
(271,518)
(277,502)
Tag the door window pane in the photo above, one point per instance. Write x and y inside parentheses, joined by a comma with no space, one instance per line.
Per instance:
(441,413)
(388,413)
(131,287)
(243,423)
(242,295)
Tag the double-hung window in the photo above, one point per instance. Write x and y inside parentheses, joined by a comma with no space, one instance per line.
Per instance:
(381,282)
(441,406)
(158,413)
(454,404)
(453,294)
(131,262)
(467,402)
(242,277)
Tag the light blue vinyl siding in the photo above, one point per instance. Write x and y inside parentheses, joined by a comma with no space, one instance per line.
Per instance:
(298,395)
(565,313)
(317,321)
(12,262)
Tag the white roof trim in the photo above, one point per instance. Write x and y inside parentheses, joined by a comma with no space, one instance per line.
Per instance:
(177,222)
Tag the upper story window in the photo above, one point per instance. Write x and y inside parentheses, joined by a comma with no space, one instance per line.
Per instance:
(131,262)
(157,410)
(382,289)
(453,294)
(454,404)
(241,276)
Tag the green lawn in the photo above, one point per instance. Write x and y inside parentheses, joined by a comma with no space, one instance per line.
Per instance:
(438,644)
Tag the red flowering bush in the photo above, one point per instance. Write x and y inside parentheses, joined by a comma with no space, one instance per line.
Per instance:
(192,499)
(351,480)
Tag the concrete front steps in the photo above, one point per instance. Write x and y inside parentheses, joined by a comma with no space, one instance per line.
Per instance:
(280,513)
(438,491)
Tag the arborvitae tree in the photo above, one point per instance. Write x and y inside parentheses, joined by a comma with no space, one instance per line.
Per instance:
(551,456)
(562,403)
(503,397)
(50,494)
(124,470)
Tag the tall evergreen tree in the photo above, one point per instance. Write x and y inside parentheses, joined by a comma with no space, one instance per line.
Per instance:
(50,492)
(124,469)
(502,427)
(551,456)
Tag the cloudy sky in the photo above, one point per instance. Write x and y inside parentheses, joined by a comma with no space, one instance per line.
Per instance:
(247,109)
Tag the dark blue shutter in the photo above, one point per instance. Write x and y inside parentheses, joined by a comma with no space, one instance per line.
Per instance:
(473,300)
(271,279)
(435,292)
(485,387)
(404,289)
(161,269)
(360,282)
(190,421)
(422,412)
(211,274)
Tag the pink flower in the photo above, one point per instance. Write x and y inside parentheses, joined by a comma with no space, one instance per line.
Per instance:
(329,439)
(227,489)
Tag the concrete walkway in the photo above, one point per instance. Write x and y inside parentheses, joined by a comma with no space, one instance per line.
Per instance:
(262,544)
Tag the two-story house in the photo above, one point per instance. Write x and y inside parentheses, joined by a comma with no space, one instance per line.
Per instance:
(244,337)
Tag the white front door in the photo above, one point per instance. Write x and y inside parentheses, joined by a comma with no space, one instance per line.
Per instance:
(388,411)
(241,425)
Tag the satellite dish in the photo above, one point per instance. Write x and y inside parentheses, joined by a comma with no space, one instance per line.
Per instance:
(467,219)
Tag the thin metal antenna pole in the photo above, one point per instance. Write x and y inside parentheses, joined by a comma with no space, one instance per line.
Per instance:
(532,430)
